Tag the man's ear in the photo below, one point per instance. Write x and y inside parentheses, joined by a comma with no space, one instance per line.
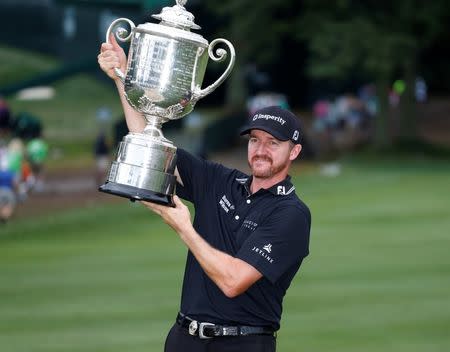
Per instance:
(295,152)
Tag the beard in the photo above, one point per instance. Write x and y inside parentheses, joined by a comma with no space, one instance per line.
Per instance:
(265,171)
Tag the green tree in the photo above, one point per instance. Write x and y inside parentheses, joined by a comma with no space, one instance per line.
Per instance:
(255,28)
(376,38)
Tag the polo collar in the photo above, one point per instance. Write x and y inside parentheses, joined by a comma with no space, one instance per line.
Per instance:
(282,188)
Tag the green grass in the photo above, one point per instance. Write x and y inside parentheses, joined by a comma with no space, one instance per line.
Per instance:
(19,65)
(85,281)
(108,278)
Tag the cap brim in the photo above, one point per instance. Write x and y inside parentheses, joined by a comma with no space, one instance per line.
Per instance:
(246,130)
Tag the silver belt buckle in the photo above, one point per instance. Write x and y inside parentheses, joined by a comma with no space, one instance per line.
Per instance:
(193,326)
(201,330)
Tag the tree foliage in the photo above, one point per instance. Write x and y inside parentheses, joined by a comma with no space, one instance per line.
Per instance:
(373,36)
(256,26)
(378,39)
(256,29)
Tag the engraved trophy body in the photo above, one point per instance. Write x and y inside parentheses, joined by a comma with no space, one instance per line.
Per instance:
(165,69)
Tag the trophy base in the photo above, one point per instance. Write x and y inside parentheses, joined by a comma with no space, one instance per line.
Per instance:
(143,170)
(134,193)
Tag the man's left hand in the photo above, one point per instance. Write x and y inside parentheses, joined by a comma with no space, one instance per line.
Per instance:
(179,217)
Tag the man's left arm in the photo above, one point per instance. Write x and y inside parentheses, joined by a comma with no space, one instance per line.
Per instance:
(232,275)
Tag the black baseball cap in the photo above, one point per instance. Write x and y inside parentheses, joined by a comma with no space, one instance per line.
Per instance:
(279,122)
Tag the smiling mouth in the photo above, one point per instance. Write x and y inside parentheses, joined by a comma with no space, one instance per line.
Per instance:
(261,160)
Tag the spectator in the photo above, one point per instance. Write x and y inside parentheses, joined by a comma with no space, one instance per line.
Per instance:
(5,115)
(101,153)
(421,91)
(7,176)
(8,184)
(37,151)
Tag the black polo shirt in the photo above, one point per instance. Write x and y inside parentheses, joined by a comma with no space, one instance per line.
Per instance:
(268,229)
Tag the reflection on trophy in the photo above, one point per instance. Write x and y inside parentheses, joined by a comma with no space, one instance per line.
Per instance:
(165,69)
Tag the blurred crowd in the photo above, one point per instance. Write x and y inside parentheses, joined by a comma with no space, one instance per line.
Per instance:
(347,121)
(338,124)
(344,122)
(23,152)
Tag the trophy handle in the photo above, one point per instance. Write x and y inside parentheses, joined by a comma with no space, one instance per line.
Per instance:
(219,56)
(121,35)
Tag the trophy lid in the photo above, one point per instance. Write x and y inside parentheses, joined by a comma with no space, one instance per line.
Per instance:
(177,16)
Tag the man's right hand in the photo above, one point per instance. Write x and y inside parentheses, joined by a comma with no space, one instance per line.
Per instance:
(112,56)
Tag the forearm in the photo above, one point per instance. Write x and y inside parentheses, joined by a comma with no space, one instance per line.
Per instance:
(219,266)
(232,275)
(135,120)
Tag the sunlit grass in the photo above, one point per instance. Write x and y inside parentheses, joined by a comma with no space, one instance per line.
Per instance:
(108,278)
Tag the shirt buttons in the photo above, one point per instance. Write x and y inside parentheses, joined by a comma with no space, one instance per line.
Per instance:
(248,201)
(237,217)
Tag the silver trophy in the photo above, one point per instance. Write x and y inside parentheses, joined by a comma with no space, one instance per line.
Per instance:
(165,69)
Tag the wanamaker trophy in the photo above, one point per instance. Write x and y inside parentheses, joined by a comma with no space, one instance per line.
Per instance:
(165,69)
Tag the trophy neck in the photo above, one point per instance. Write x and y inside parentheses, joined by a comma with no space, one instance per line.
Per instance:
(153,127)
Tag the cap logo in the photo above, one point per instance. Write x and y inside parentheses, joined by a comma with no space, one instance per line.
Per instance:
(269,117)
(295,136)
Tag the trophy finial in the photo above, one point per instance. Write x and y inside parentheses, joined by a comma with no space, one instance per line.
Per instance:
(177,16)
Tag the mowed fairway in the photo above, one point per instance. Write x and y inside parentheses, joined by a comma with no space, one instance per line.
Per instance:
(109,278)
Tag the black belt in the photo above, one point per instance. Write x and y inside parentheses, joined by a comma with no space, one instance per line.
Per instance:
(206,330)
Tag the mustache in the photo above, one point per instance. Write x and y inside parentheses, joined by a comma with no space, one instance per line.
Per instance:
(262,158)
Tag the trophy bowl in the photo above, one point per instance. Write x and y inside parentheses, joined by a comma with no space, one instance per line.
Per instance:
(165,69)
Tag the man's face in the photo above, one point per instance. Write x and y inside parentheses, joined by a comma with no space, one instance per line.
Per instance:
(268,156)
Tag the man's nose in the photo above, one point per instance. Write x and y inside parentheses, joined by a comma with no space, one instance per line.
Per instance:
(261,149)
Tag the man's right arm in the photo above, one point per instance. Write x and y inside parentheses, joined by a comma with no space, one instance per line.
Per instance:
(111,57)
(135,120)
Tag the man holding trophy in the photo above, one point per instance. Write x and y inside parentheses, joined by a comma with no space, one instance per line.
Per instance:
(249,234)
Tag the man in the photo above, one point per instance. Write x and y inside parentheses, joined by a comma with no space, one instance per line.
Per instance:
(249,235)
(8,185)
(10,163)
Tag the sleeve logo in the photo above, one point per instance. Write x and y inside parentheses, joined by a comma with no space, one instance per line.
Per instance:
(268,248)
(264,252)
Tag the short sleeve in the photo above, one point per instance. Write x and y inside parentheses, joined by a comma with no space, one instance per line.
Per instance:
(192,171)
(198,175)
(279,243)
